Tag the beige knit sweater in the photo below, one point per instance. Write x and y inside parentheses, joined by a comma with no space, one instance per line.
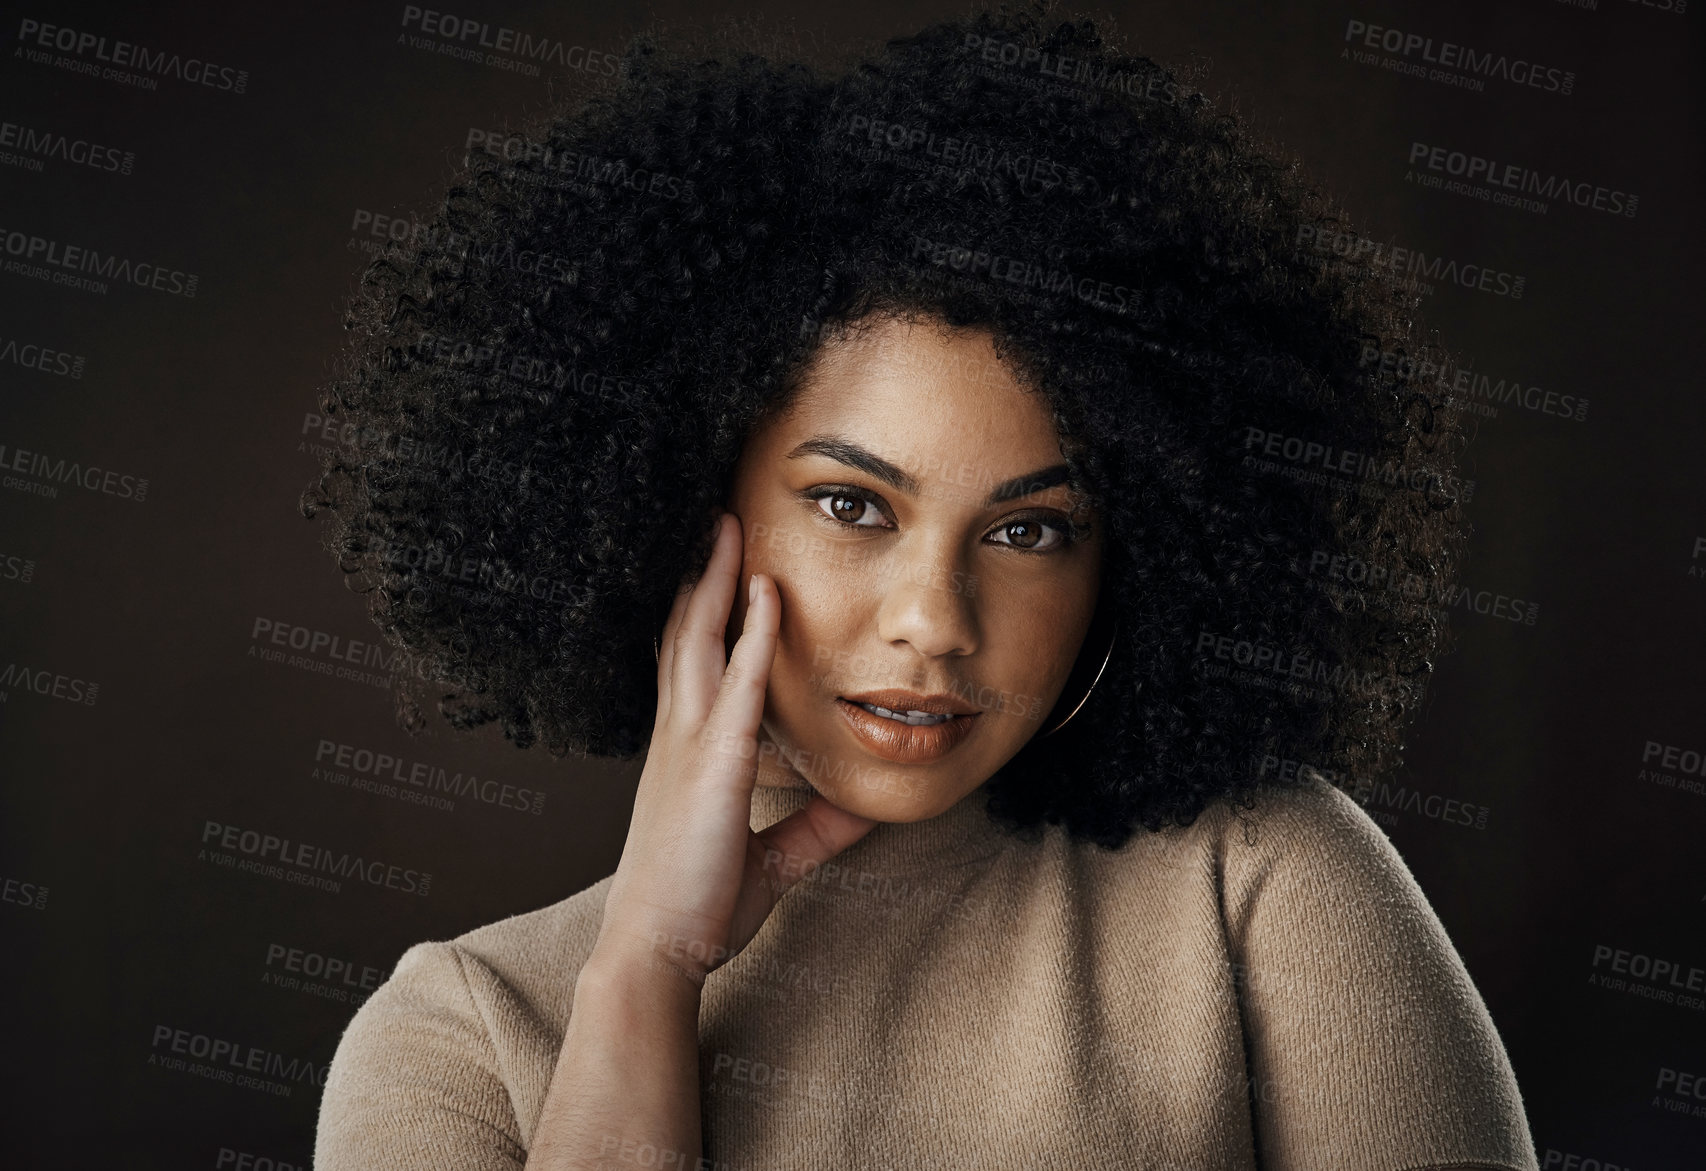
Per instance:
(1268,990)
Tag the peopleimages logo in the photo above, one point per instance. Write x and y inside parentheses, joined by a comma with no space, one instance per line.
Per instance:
(128,55)
(46,472)
(1153,85)
(234,1055)
(261,848)
(1027,274)
(1470,388)
(296,961)
(1299,665)
(1412,264)
(33,356)
(54,260)
(375,232)
(24,894)
(474,40)
(571,169)
(333,654)
(1454,60)
(1317,460)
(50,144)
(52,683)
(382,767)
(1510,177)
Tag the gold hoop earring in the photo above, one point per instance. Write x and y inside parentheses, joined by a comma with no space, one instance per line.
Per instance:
(1099,670)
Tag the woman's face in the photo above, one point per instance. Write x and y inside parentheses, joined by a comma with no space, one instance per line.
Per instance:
(912,508)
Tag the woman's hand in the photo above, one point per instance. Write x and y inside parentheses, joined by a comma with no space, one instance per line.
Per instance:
(695,882)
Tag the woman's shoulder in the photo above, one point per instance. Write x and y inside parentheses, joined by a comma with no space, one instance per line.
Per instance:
(1358,1009)
(1295,853)
(1306,843)
(1300,810)
(532,957)
(458,1031)
(538,947)
(1303,822)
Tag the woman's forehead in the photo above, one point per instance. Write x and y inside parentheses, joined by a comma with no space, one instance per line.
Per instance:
(919,396)
(915,347)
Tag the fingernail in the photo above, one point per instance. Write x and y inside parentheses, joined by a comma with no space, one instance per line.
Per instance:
(751,588)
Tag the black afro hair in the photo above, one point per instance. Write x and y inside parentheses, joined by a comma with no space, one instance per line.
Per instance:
(550,379)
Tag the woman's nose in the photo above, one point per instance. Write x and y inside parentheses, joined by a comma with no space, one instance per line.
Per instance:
(924,603)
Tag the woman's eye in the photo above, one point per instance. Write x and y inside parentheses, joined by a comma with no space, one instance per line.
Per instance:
(1031,534)
(1028,534)
(850,510)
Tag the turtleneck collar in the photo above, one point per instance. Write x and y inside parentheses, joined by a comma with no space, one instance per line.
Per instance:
(962,833)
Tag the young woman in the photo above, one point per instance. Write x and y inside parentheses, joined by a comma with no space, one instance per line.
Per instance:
(943,467)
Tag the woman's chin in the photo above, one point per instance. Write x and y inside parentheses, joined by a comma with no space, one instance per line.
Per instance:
(862,784)
(897,800)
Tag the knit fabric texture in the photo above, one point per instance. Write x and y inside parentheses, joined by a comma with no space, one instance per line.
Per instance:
(1265,988)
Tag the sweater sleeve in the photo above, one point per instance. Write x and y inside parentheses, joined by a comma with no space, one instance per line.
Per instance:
(1369,1046)
(415,1083)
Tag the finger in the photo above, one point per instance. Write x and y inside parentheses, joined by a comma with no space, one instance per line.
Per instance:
(666,646)
(732,726)
(672,631)
(696,670)
(806,839)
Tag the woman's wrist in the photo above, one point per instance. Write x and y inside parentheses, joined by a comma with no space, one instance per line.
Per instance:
(634,968)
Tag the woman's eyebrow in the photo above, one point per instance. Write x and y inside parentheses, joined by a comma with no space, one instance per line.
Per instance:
(850,453)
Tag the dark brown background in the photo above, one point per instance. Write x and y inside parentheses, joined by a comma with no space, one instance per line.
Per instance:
(1595,520)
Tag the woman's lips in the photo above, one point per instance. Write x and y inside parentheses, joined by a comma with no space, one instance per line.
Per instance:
(904,743)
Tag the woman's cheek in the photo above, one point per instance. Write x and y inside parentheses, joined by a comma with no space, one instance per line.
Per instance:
(1023,661)
(773,550)
(824,602)
(785,549)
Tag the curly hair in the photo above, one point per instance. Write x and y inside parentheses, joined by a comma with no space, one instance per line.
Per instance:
(551,377)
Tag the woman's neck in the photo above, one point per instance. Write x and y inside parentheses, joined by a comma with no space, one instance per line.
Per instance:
(961,834)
